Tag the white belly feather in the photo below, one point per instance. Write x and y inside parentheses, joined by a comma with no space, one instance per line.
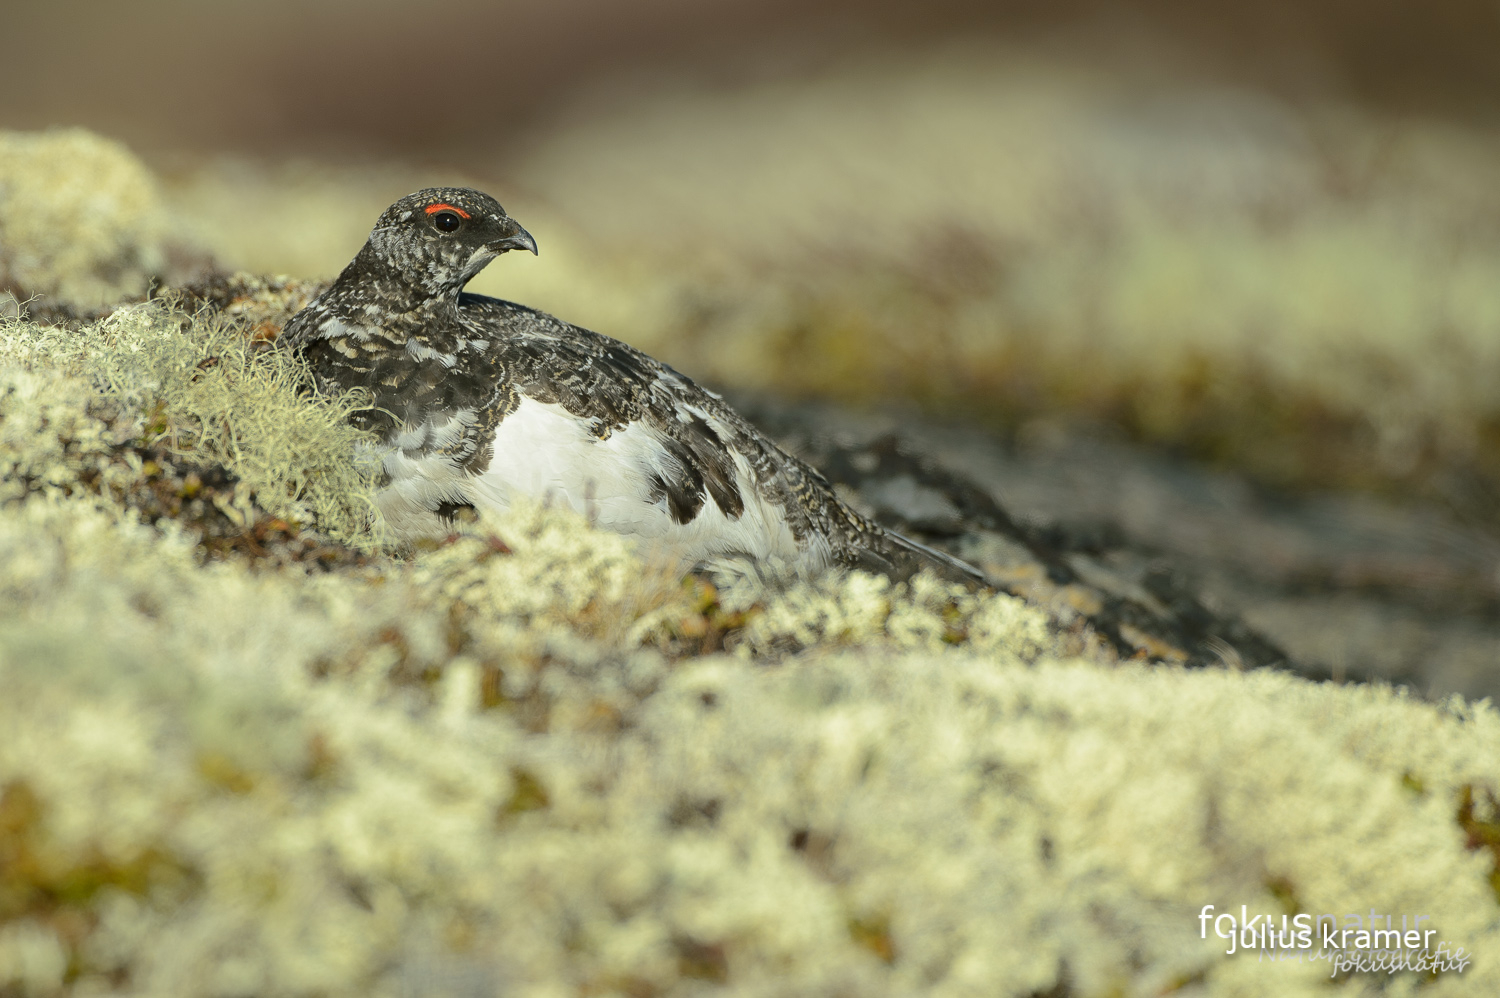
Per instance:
(544,453)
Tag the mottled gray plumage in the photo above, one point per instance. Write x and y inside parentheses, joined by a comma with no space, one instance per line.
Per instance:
(447,370)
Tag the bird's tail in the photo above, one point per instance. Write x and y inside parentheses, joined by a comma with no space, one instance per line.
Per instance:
(900,557)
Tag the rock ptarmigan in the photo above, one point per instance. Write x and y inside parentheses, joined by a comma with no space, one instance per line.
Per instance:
(480,400)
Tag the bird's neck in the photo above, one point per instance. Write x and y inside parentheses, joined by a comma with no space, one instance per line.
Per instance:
(372,280)
(370,312)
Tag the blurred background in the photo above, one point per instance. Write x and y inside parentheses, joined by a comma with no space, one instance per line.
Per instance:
(440,79)
(1225,277)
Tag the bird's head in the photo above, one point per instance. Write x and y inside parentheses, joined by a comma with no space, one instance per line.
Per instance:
(438,239)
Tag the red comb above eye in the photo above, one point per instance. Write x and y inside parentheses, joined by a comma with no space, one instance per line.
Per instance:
(434,208)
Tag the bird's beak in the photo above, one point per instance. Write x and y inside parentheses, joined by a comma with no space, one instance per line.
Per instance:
(514,239)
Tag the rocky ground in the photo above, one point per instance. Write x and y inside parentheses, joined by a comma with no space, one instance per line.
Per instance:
(1176,561)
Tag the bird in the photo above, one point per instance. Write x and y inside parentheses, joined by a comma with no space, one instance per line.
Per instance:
(480,402)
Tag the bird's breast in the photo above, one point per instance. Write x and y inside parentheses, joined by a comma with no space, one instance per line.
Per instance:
(541,452)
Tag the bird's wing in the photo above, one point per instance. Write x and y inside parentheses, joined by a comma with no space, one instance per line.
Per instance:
(712,451)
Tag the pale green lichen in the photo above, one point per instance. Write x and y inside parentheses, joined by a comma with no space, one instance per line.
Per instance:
(199,387)
(48,437)
(922,614)
(569,576)
(81,219)
(233,818)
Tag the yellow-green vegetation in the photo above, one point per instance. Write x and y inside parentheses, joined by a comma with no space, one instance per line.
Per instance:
(477,774)
(524,761)
(81,405)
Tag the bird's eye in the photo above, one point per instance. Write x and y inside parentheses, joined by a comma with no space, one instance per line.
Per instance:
(447,221)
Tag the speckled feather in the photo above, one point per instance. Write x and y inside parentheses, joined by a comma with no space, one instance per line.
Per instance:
(447,369)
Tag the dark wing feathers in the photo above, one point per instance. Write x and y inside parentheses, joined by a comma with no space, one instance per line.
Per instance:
(710,454)
(611,384)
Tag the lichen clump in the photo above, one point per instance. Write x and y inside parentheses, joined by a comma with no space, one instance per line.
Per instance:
(82,407)
(223,782)
(81,219)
